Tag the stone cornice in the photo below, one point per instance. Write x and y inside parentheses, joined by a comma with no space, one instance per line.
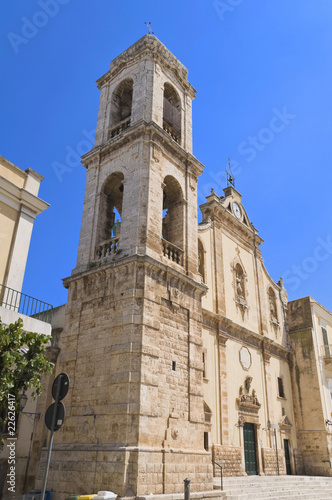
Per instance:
(227,329)
(149,46)
(133,260)
(150,131)
(17,195)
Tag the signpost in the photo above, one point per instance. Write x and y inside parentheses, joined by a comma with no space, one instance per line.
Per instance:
(55,416)
(275,427)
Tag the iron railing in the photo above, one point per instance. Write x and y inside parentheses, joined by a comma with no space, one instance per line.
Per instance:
(24,304)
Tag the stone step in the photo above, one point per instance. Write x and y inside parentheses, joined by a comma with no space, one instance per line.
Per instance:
(277,496)
(276,487)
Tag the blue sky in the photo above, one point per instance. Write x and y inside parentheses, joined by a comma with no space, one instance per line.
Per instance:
(263,74)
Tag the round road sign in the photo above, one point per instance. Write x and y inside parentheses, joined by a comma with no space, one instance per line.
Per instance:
(64,385)
(59,418)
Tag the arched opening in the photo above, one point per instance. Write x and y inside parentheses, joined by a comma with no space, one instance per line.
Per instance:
(172,223)
(201,260)
(121,107)
(110,210)
(172,112)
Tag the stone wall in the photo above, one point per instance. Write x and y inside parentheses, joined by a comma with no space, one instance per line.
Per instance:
(132,348)
(270,462)
(229,457)
(298,462)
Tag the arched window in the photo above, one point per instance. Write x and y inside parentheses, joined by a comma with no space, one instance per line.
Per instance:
(201,260)
(172,112)
(110,210)
(273,306)
(172,224)
(121,106)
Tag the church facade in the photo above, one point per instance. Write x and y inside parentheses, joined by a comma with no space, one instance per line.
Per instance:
(175,337)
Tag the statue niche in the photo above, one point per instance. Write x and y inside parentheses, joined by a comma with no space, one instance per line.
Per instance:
(239,286)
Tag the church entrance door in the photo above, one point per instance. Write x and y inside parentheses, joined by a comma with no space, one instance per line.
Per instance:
(250,449)
(287,457)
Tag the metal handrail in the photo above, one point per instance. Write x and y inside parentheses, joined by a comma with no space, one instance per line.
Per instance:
(221,478)
(25,304)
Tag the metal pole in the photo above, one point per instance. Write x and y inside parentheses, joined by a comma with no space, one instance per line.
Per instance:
(275,437)
(52,435)
(187,489)
(221,480)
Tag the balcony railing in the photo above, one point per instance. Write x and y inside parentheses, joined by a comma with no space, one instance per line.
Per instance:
(172,252)
(123,125)
(171,131)
(326,351)
(107,247)
(24,304)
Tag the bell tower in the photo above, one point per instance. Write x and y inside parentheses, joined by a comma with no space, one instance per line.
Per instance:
(141,170)
(132,342)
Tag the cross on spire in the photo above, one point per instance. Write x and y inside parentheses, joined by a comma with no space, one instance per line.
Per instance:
(230,176)
(149,28)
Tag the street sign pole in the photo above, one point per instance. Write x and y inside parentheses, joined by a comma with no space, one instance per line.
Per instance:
(275,437)
(52,435)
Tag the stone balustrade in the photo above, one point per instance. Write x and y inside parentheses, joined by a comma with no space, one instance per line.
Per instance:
(123,125)
(171,131)
(172,252)
(107,247)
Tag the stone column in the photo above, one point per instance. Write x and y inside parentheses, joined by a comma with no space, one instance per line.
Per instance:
(260,470)
(223,389)
(219,294)
(268,390)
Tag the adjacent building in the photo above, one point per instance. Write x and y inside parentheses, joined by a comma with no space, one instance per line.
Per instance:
(310,335)
(19,206)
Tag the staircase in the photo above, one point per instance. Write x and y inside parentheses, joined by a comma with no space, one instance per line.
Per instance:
(276,487)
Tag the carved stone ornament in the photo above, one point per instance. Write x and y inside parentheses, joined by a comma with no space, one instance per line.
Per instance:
(175,433)
(175,297)
(273,309)
(285,424)
(245,358)
(241,421)
(283,294)
(248,402)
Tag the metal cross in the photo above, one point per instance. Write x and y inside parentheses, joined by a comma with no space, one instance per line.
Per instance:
(149,28)
(230,176)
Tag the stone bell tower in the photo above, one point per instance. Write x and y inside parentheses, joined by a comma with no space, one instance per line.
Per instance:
(132,343)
